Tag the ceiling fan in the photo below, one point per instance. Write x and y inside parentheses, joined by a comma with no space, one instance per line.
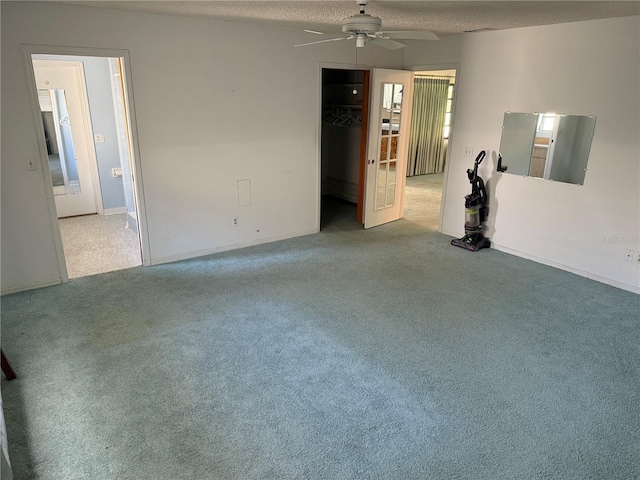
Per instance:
(366,28)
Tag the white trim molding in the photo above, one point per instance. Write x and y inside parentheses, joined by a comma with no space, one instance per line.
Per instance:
(31,286)
(226,248)
(27,51)
(114,211)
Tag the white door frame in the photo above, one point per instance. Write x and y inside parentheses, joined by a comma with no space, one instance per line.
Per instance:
(447,162)
(27,51)
(552,147)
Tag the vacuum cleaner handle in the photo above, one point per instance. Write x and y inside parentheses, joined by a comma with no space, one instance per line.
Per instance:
(473,174)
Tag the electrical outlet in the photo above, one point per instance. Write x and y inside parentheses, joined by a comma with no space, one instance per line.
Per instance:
(99,137)
(468,151)
(638,258)
(235,222)
(629,255)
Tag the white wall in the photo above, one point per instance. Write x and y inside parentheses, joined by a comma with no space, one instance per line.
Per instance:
(585,68)
(215,101)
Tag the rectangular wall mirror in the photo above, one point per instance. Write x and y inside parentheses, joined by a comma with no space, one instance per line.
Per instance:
(547,145)
(60,149)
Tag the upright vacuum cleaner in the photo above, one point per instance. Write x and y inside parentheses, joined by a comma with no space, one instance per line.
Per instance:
(476,211)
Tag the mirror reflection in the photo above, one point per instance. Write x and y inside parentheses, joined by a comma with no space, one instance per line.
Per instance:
(57,133)
(547,145)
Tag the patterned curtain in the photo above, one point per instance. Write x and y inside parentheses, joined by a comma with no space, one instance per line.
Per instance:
(426,140)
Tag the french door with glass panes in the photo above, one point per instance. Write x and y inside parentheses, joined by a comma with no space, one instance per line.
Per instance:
(390,119)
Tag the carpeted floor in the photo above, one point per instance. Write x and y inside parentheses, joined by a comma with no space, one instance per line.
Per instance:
(422,197)
(98,243)
(349,354)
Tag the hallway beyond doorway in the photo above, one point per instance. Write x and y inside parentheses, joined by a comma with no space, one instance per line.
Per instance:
(422,197)
(98,243)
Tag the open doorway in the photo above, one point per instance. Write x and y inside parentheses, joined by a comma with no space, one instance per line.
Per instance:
(431,125)
(345,99)
(86,131)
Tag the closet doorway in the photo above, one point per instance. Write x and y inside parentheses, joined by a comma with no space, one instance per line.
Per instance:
(345,114)
(431,126)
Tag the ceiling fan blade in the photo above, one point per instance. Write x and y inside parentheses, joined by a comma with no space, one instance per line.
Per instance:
(314,31)
(323,41)
(386,43)
(411,35)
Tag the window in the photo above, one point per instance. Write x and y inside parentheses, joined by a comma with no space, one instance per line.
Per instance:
(545,122)
(447,115)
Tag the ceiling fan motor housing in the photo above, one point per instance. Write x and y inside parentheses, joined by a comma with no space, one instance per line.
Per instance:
(361,23)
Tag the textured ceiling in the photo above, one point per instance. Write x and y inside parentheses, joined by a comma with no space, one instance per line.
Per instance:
(442,17)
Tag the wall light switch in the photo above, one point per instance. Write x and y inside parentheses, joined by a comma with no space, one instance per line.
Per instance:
(468,151)
(31,163)
(99,137)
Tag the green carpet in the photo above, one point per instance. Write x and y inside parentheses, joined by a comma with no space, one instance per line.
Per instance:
(350,354)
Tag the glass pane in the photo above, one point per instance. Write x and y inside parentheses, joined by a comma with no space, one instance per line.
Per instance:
(53,152)
(449,105)
(395,121)
(380,197)
(387,95)
(518,133)
(385,126)
(397,95)
(384,148)
(391,175)
(447,118)
(547,125)
(382,174)
(450,91)
(57,134)
(391,195)
(393,155)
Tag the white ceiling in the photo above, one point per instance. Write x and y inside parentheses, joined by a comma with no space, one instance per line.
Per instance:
(441,17)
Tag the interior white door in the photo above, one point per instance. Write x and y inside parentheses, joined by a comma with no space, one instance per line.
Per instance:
(388,141)
(63,80)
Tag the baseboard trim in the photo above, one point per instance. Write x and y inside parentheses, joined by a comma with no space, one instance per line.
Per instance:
(113,211)
(451,233)
(583,273)
(227,248)
(30,286)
